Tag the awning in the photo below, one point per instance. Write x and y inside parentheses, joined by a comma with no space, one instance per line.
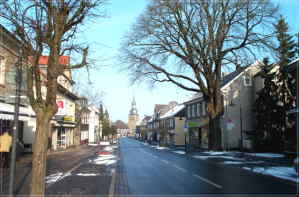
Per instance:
(7,112)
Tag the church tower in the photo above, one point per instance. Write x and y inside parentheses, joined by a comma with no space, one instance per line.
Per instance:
(133,117)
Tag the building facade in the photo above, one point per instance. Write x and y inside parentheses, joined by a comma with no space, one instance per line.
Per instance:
(238,89)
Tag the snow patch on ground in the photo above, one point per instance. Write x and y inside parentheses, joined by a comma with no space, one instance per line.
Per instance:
(104,160)
(287,173)
(87,174)
(232,162)
(91,144)
(266,155)
(179,152)
(214,153)
(239,162)
(108,148)
(162,148)
(215,156)
(53,178)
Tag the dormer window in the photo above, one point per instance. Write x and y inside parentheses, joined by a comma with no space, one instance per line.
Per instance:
(247,80)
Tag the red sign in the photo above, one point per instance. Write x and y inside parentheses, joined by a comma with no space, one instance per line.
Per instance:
(60,104)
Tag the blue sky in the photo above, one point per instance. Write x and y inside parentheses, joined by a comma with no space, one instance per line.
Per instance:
(105,37)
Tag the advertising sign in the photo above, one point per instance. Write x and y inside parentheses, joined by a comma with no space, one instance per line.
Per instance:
(193,124)
(61,107)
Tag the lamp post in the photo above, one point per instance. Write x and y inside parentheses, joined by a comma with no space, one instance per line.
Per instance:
(18,80)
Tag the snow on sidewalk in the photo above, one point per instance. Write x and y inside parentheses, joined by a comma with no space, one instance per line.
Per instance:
(287,173)
(266,155)
(179,152)
(217,156)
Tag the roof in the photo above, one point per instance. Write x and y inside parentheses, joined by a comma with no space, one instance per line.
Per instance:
(173,111)
(67,92)
(120,125)
(226,80)
(64,60)
(292,66)
(229,77)
(93,108)
(161,109)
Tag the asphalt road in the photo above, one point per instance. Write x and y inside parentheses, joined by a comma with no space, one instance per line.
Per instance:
(147,171)
(92,176)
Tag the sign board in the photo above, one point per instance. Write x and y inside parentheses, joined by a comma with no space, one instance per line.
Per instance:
(193,124)
(61,107)
(68,118)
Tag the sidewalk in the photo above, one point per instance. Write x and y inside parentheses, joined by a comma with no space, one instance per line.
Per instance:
(56,160)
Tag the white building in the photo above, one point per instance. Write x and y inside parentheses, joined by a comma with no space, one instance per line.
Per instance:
(95,128)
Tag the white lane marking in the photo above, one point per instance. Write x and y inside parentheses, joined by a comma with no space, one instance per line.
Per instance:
(179,168)
(207,181)
(112,183)
(164,161)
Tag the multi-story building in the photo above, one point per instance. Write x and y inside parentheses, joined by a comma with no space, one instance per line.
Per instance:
(121,128)
(238,89)
(95,128)
(173,123)
(9,59)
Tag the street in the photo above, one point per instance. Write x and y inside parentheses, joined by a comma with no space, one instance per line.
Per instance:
(133,168)
(156,172)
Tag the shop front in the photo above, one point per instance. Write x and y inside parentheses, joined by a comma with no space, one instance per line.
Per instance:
(63,133)
(197,135)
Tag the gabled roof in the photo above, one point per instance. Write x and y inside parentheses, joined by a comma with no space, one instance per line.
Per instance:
(161,109)
(173,111)
(227,79)
(292,65)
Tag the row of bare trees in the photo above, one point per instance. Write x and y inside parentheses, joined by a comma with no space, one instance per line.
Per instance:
(189,43)
(47,27)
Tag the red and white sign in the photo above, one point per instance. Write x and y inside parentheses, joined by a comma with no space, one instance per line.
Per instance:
(61,108)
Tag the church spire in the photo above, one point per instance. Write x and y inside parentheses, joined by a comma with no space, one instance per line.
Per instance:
(133,110)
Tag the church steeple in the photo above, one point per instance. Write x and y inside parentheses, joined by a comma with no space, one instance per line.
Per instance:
(133,110)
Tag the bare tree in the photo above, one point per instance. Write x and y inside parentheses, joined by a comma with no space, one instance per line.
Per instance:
(47,27)
(188,43)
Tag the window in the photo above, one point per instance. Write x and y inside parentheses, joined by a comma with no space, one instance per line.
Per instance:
(2,70)
(198,106)
(203,108)
(188,111)
(247,80)
(192,111)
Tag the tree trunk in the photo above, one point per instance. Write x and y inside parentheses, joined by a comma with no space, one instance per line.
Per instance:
(39,160)
(215,133)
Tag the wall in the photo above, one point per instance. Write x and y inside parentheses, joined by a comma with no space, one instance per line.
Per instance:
(239,104)
(179,131)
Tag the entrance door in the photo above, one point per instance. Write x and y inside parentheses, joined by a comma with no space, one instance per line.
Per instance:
(61,137)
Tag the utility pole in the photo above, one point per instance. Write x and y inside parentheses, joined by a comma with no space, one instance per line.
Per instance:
(18,80)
